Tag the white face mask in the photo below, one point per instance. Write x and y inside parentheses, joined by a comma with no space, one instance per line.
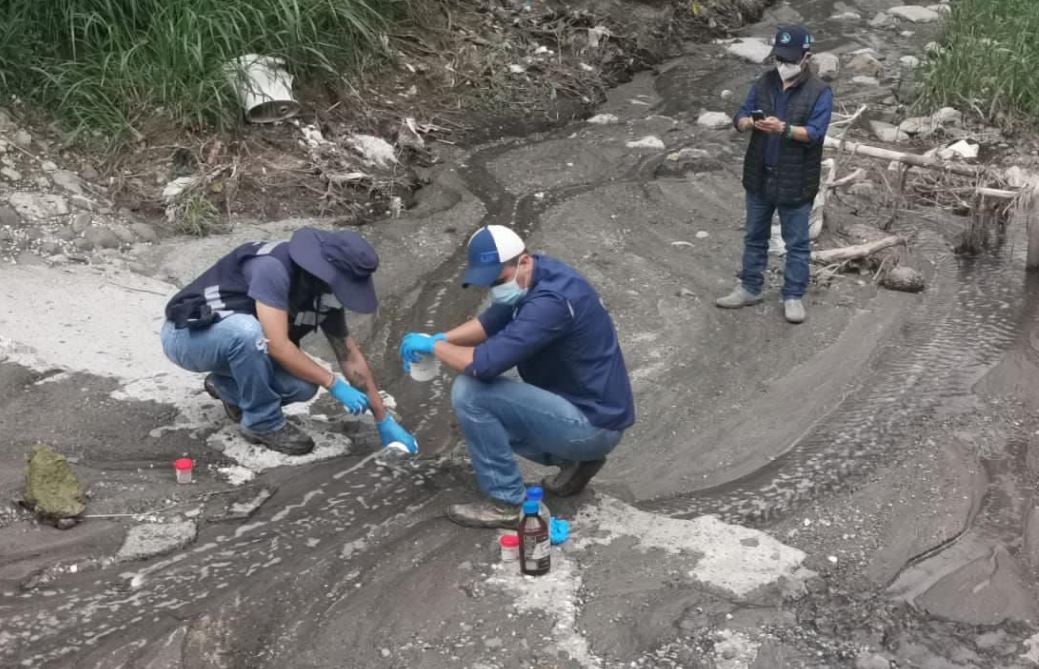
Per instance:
(788,71)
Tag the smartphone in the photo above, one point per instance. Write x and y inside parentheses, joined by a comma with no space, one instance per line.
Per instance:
(757,115)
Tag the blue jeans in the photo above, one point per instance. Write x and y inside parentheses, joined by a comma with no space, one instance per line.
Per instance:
(234,349)
(794,225)
(502,417)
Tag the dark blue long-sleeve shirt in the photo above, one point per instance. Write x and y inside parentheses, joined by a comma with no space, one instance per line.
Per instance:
(561,338)
(818,122)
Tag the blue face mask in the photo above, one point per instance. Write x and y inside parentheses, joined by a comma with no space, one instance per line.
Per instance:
(507,293)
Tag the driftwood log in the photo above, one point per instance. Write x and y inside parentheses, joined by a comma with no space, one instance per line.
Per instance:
(855,251)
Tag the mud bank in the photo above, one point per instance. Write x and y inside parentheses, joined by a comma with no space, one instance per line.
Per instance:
(814,496)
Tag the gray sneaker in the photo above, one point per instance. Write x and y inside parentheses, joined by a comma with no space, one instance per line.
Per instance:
(287,439)
(489,513)
(794,311)
(738,298)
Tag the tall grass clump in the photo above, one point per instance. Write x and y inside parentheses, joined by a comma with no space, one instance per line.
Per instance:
(112,66)
(988,60)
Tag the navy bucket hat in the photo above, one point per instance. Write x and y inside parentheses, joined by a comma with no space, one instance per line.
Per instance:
(344,260)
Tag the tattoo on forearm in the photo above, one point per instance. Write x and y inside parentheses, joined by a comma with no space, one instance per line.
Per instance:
(339,349)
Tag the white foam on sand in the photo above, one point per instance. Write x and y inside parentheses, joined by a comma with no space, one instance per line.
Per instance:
(736,559)
(555,593)
(258,458)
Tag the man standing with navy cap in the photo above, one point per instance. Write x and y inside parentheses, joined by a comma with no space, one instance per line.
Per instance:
(574,402)
(788,113)
(242,321)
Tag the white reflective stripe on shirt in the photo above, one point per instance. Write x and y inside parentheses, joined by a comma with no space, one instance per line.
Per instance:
(268,247)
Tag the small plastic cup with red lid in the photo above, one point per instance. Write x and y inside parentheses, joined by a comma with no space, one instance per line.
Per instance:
(183,467)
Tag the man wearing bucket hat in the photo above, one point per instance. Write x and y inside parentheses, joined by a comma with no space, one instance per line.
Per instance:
(574,402)
(242,321)
(788,113)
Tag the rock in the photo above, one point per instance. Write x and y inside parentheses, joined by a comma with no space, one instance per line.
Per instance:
(827,65)
(866,65)
(84,244)
(886,132)
(123,233)
(847,16)
(22,139)
(647,142)
(6,124)
(42,182)
(101,237)
(604,119)
(11,174)
(51,487)
(68,181)
(688,153)
(9,217)
(88,173)
(81,222)
(750,48)
(909,62)
(947,116)
(986,591)
(921,127)
(145,232)
(882,20)
(715,120)
(866,82)
(870,661)
(905,279)
(65,234)
(727,94)
(152,539)
(961,149)
(376,151)
(50,247)
(83,202)
(48,166)
(940,9)
(38,205)
(915,13)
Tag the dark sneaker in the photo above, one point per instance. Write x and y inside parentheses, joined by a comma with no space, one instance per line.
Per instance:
(287,439)
(572,478)
(489,513)
(232,411)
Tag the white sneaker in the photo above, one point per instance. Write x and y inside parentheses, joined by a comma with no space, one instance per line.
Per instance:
(740,297)
(794,311)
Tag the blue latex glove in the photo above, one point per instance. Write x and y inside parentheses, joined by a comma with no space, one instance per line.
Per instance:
(558,530)
(415,345)
(353,399)
(391,431)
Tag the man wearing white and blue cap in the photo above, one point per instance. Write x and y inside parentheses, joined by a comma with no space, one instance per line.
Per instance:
(242,321)
(788,113)
(574,402)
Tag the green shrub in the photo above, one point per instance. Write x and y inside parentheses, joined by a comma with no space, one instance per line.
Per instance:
(988,60)
(112,65)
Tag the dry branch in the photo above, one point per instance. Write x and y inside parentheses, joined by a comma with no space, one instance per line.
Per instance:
(830,256)
(857,148)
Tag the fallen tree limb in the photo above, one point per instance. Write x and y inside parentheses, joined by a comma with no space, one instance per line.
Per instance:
(857,148)
(816,218)
(830,256)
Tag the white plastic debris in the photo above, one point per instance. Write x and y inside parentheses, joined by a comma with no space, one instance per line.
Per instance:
(264,88)
(961,149)
(375,150)
(604,119)
(597,35)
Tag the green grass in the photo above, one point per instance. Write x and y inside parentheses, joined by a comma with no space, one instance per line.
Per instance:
(111,67)
(988,61)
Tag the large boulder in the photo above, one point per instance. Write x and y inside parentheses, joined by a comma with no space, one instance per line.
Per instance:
(828,65)
(915,13)
(51,487)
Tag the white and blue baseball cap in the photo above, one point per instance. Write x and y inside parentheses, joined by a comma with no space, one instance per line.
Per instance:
(489,249)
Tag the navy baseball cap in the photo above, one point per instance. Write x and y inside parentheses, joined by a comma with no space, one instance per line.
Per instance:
(344,260)
(489,249)
(792,43)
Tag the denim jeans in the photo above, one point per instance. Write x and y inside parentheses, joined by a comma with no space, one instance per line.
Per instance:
(503,416)
(234,349)
(794,225)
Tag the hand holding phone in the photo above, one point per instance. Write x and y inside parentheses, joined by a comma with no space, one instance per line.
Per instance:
(757,115)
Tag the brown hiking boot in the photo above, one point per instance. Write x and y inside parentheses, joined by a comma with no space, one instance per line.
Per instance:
(572,478)
(490,513)
(287,439)
(232,411)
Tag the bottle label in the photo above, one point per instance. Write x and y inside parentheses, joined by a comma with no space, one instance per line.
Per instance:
(536,552)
